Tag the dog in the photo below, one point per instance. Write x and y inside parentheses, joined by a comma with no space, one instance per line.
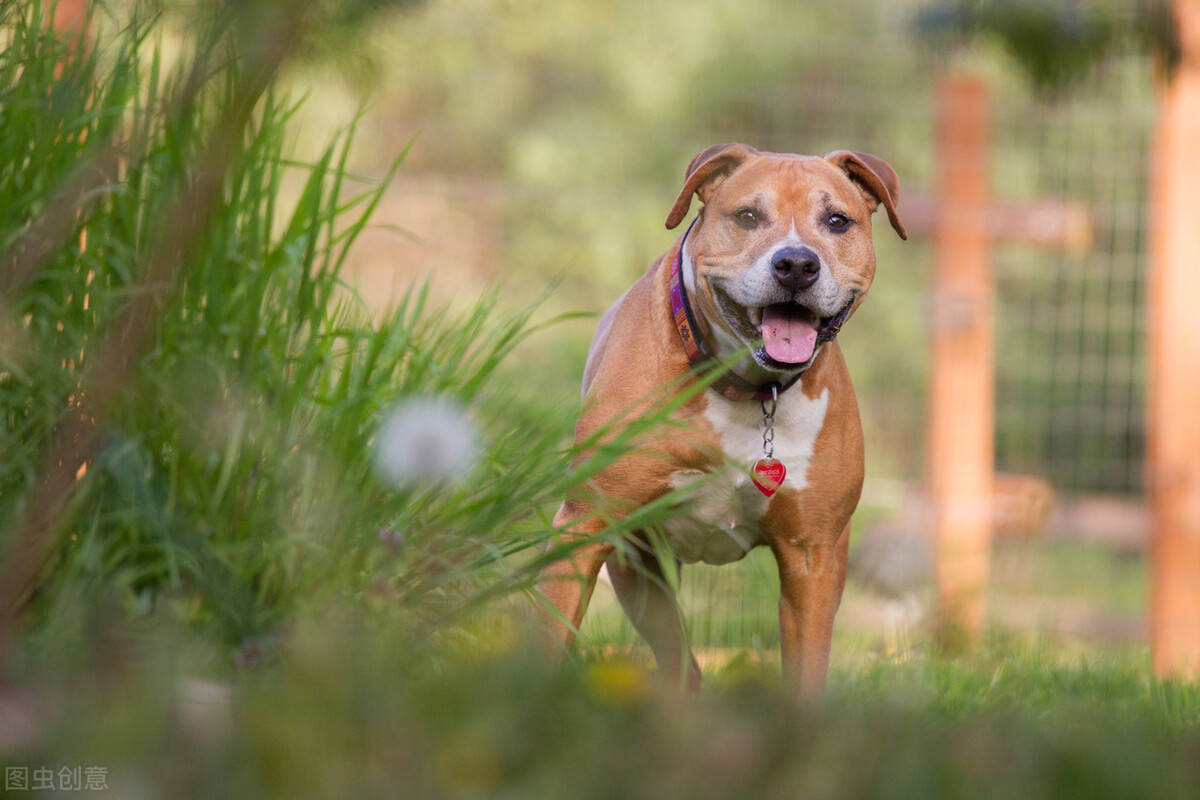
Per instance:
(779,256)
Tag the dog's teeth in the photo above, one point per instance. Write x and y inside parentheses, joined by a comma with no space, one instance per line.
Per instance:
(755,316)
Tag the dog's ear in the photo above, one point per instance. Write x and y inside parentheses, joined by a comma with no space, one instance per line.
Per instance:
(705,174)
(877,179)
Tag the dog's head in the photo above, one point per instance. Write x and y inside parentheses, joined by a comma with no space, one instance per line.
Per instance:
(782,251)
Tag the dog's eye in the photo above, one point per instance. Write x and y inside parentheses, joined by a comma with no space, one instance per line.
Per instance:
(837,222)
(747,217)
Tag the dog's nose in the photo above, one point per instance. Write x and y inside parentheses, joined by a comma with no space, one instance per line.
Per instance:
(796,267)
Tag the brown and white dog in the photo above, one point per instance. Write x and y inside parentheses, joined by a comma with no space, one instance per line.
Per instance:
(777,259)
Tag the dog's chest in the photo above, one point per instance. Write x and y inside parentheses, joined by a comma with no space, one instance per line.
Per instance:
(719,520)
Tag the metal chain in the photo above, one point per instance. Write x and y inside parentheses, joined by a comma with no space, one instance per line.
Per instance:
(769,422)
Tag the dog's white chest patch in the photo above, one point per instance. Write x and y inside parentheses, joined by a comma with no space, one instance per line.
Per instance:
(719,521)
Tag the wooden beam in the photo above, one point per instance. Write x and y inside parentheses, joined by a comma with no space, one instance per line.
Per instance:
(1173,474)
(961,396)
(1045,224)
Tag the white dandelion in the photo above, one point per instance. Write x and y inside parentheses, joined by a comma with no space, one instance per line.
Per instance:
(426,439)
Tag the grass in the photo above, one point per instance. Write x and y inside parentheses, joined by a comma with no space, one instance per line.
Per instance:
(350,711)
(235,602)
(228,474)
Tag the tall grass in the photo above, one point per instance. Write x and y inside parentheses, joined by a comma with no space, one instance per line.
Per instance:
(233,473)
(231,480)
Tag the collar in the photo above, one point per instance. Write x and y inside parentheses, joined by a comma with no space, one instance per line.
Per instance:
(697,348)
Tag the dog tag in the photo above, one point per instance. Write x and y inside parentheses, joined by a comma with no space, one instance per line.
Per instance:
(768,475)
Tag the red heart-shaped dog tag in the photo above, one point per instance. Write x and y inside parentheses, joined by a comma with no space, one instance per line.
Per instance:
(768,475)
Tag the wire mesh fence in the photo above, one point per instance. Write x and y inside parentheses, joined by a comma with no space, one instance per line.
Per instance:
(1070,326)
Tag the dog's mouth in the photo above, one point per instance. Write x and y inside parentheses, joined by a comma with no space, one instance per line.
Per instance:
(791,333)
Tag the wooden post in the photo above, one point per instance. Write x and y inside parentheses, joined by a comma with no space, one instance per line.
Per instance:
(1173,476)
(961,391)
(69,15)
(966,224)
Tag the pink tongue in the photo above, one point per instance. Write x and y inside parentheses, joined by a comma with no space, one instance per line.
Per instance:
(787,334)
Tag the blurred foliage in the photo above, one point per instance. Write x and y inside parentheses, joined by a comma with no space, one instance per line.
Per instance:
(360,710)
(593,110)
(233,479)
(1057,42)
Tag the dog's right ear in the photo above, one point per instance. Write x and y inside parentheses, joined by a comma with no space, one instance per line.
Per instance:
(705,174)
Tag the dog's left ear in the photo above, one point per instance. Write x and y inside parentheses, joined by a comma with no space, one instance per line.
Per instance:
(711,166)
(876,178)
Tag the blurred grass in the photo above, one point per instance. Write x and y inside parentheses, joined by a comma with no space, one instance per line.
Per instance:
(232,478)
(352,712)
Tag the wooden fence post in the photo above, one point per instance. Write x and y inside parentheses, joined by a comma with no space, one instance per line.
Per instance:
(1173,435)
(961,391)
(69,15)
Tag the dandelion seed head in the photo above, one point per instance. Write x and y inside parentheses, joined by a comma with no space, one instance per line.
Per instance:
(426,439)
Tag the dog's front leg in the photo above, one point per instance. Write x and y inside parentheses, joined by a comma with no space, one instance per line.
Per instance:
(567,582)
(650,604)
(812,574)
